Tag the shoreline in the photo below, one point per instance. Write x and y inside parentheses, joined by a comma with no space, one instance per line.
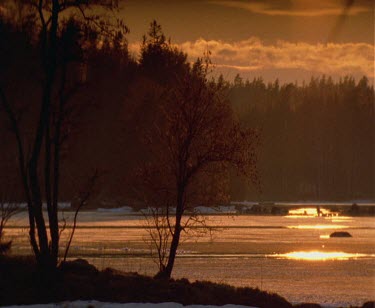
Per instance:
(79,280)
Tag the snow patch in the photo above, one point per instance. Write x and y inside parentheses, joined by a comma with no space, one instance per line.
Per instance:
(245,203)
(123,209)
(23,205)
(96,304)
(229,209)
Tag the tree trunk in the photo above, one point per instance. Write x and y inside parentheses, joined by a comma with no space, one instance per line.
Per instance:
(52,206)
(38,213)
(23,171)
(56,167)
(47,257)
(167,271)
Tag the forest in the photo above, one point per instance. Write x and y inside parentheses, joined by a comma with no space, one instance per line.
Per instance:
(316,139)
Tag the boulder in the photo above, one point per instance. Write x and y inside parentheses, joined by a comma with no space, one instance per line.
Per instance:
(78,266)
(340,234)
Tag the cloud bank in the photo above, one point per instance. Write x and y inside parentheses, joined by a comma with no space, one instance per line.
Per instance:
(252,57)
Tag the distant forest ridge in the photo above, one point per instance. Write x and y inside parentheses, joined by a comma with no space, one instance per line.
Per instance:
(317,138)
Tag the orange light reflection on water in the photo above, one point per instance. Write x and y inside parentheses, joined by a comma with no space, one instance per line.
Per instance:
(318,255)
(318,227)
(311,212)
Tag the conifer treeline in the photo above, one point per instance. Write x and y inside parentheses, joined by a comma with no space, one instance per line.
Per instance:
(318,137)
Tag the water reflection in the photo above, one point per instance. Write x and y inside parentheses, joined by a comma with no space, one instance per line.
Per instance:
(319,255)
(311,212)
(318,227)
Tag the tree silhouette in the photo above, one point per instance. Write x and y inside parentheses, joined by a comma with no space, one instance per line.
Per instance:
(159,58)
(59,44)
(317,138)
(193,142)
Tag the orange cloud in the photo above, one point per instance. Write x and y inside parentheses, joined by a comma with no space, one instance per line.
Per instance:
(300,8)
(253,54)
(252,57)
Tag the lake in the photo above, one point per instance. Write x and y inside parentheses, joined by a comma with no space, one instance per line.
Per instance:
(290,255)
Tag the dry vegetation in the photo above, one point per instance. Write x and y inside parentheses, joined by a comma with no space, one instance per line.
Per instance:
(79,280)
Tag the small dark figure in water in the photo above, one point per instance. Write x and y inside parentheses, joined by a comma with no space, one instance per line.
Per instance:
(354,210)
(340,234)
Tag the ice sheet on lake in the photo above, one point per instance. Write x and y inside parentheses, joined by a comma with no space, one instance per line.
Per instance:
(123,209)
(230,209)
(23,205)
(303,203)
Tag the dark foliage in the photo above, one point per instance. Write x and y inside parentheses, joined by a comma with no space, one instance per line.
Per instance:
(49,72)
(317,138)
(80,280)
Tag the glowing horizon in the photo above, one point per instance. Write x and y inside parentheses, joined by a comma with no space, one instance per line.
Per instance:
(307,211)
(317,227)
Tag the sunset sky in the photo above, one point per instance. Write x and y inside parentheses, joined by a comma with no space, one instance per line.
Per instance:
(286,39)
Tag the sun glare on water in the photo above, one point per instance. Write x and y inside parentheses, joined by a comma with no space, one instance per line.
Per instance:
(318,255)
(311,212)
(318,227)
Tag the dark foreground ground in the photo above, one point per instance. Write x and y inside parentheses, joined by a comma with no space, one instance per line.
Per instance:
(20,283)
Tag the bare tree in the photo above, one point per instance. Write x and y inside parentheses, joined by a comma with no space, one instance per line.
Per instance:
(8,209)
(84,196)
(39,162)
(158,229)
(193,143)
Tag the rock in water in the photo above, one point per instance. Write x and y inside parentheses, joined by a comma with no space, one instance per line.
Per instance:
(340,234)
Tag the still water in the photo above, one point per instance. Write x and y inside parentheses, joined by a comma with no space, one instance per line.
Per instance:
(290,255)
